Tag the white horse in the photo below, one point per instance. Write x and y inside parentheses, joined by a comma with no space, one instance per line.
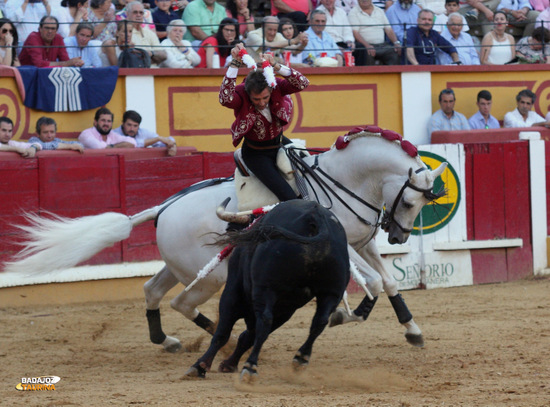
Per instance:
(354,182)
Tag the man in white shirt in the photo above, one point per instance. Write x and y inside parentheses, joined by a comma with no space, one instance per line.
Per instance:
(27,150)
(26,15)
(143,37)
(369,25)
(523,116)
(338,25)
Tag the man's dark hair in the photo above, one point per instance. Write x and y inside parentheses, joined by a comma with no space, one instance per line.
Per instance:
(526,93)
(255,82)
(447,91)
(45,121)
(484,94)
(452,1)
(43,21)
(84,26)
(101,111)
(5,119)
(132,115)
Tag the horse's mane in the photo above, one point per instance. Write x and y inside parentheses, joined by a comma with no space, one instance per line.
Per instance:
(374,131)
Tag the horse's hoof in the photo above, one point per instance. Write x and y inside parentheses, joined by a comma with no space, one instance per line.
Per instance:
(226,367)
(336,318)
(196,371)
(415,340)
(300,361)
(171,345)
(249,374)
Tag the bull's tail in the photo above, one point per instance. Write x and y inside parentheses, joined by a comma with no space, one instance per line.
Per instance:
(57,243)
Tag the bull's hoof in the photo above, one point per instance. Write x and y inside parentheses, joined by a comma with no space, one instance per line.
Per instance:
(171,345)
(300,361)
(249,374)
(196,371)
(415,340)
(226,367)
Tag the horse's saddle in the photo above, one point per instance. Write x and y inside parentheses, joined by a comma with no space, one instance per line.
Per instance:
(251,192)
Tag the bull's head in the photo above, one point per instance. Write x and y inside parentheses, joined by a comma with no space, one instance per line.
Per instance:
(404,201)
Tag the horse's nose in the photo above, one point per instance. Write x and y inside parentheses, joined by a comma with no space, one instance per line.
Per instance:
(393,240)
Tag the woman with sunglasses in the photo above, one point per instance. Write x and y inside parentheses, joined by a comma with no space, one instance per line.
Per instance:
(8,43)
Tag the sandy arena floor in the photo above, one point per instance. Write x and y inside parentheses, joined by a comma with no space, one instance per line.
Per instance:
(485,346)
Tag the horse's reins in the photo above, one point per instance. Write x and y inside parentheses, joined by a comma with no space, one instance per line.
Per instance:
(305,168)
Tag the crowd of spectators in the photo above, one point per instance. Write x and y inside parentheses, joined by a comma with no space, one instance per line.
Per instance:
(387,32)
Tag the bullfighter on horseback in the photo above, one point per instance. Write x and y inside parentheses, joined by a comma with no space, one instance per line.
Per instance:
(261,110)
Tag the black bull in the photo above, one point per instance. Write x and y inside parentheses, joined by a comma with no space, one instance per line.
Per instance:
(295,253)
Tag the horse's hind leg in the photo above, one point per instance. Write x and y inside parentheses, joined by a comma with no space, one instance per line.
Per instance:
(413,333)
(325,305)
(155,289)
(186,303)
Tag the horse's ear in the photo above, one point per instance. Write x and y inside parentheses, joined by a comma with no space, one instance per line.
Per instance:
(439,170)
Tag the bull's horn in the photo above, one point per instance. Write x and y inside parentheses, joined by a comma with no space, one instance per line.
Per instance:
(240,217)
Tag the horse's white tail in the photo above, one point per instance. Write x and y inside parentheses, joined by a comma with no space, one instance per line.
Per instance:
(59,243)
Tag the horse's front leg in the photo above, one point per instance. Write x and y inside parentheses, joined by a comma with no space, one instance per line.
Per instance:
(413,333)
(155,289)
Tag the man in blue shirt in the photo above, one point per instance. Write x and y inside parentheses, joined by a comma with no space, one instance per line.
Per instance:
(423,42)
(446,118)
(402,13)
(462,41)
(81,47)
(483,119)
(320,42)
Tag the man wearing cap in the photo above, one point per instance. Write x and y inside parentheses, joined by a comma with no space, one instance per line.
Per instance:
(261,111)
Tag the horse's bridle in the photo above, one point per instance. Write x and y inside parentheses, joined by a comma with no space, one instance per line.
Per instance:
(388,218)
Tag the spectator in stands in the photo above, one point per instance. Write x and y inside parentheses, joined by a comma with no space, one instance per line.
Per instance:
(539,5)
(437,6)
(202,18)
(46,47)
(460,40)
(46,128)
(400,13)
(142,36)
(544,19)
(8,43)
(219,45)
(27,150)
(520,15)
(101,135)
(297,10)
(102,14)
(447,118)
(479,13)
(347,5)
(238,9)
(147,21)
(162,16)
(423,42)
(319,42)
(287,27)
(523,116)
(338,25)
(370,26)
(111,49)
(69,15)
(179,51)
(80,46)
(25,15)
(483,118)
(130,127)
(273,40)
(530,49)
(451,6)
(497,46)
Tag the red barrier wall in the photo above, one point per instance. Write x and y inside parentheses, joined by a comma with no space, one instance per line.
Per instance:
(498,207)
(126,181)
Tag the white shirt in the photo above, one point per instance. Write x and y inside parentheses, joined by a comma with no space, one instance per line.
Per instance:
(515,119)
(338,25)
(370,27)
(31,18)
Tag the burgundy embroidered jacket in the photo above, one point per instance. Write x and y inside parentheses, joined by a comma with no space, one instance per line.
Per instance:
(249,122)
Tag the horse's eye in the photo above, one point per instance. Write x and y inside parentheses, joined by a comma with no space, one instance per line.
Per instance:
(407,205)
